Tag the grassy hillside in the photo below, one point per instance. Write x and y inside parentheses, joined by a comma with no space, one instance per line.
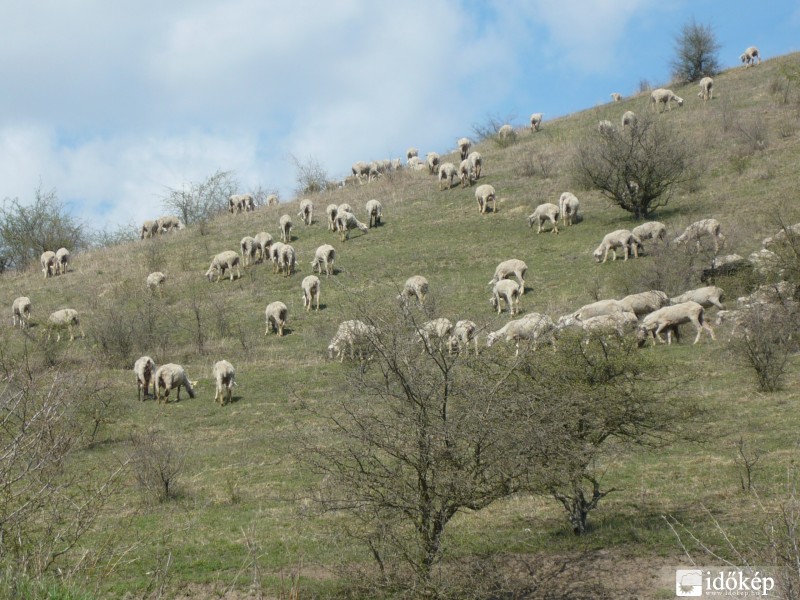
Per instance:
(241,481)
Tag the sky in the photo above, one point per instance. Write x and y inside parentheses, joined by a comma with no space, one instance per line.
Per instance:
(113,103)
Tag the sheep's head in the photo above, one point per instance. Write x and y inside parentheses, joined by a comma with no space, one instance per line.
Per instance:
(490,339)
(679,100)
(641,336)
(210,274)
(493,301)
(598,254)
(743,57)
(331,350)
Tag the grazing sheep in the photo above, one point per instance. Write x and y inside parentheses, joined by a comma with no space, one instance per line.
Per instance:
(416,286)
(149,229)
(475,161)
(616,97)
(169,223)
(606,127)
(306,211)
(726,265)
(447,172)
(512,266)
(276,314)
(536,121)
(621,323)
(506,132)
(288,260)
(311,287)
(463,173)
(62,260)
(275,256)
(544,213)
(411,153)
(644,303)
(66,317)
(48,262)
(325,255)
(670,317)
(345,221)
(221,262)
(354,336)
(169,377)
(360,169)
(144,369)
(235,203)
(484,194)
(700,229)
(663,96)
(705,296)
(622,239)
(415,163)
(375,211)
(629,119)
(464,144)
(792,232)
(285,225)
(432,162)
(21,312)
(345,208)
(272,200)
(706,89)
(568,206)
(463,332)
(595,309)
(332,210)
(652,230)
(264,241)
(437,328)
(155,280)
(509,291)
(532,326)
(750,56)
(249,249)
(224,376)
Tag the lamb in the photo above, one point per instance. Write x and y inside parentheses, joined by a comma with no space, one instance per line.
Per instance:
(285,225)
(306,211)
(464,145)
(272,200)
(750,56)
(48,262)
(332,211)
(629,119)
(66,317)
(345,221)
(700,229)
(606,127)
(532,326)
(706,89)
(790,231)
(663,96)
(264,241)
(437,328)
(616,96)
(288,260)
(510,267)
(729,264)
(644,303)
(155,280)
(622,239)
(568,206)
(276,314)
(149,229)
(21,312)
(484,194)
(169,223)
(351,335)
(536,121)
(547,212)
(670,317)
(325,255)
(144,369)
(311,287)
(374,210)
(652,230)
(705,296)
(447,172)
(224,376)
(411,153)
(432,161)
(509,291)
(62,260)
(221,262)
(463,332)
(169,377)
(249,248)
(416,286)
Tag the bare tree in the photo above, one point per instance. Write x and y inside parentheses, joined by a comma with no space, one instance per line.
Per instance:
(311,176)
(199,202)
(696,50)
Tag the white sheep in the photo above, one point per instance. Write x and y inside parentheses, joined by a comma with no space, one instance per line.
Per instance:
(48,262)
(750,56)
(169,223)
(225,378)
(475,161)
(66,317)
(272,200)
(275,256)
(545,213)
(622,239)
(353,336)
(594,309)
(616,96)
(670,317)
(463,332)
(62,260)
(415,163)
(21,312)
(311,287)
(416,286)
(700,229)
(439,329)
(249,250)
(509,291)
(276,314)
(621,323)
(288,260)
(264,241)
(285,225)
(432,162)
(464,174)
(155,280)
(652,230)
(144,369)
(332,210)
(512,266)
(629,119)
(568,206)
(306,211)
(345,221)
(706,89)
(663,96)
(706,297)
(169,377)
(375,212)
(223,261)
(360,169)
(485,194)
(344,207)
(506,132)
(447,172)
(149,229)
(532,326)
(464,144)
(235,203)
(606,127)
(536,121)
(411,153)
(644,303)
(790,231)
(324,257)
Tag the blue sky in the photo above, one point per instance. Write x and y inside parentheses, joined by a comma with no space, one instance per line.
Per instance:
(110,103)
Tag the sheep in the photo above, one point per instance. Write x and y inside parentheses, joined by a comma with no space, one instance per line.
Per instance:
(275,256)
(415,163)
(532,326)
(622,239)
(663,96)
(264,241)
(440,329)
(149,229)
(276,314)
(790,231)
(285,225)
(432,162)
(594,309)
(652,230)
(168,223)
(235,203)
(222,261)
(249,249)
(66,317)
(629,119)
(155,280)
(306,211)
(568,206)
(475,161)
(447,172)
(169,377)
(699,229)
(344,207)
(729,264)
(464,144)
(375,211)
(750,56)
(706,89)
(360,169)
(411,153)
(506,132)
(705,296)
(464,174)
(644,303)
(62,260)
(224,376)
(345,221)
(21,312)
(536,121)
(310,286)
(616,96)
(416,286)
(512,266)
(484,194)
(670,317)
(620,322)
(144,369)
(509,291)
(351,335)
(332,210)
(606,127)
(272,200)
(547,212)
(288,260)
(463,332)
(48,262)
